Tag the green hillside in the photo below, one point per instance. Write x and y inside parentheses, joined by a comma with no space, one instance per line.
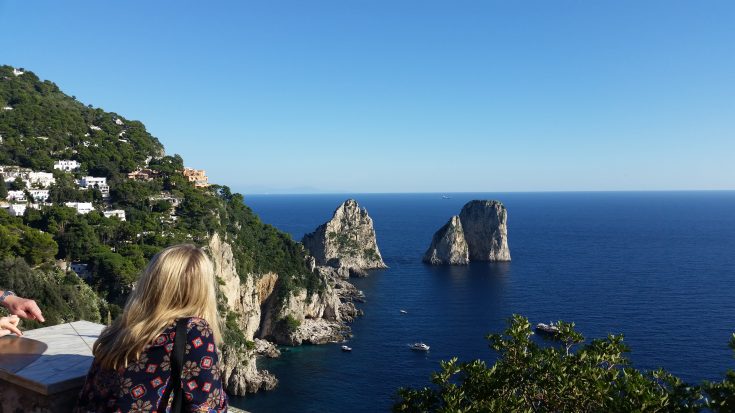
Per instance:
(39,125)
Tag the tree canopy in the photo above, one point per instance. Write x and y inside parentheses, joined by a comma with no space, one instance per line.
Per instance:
(563,376)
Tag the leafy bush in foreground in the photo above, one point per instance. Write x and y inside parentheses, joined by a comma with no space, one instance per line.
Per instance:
(527,377)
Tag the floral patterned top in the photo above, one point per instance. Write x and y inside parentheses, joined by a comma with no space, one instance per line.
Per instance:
(140,386)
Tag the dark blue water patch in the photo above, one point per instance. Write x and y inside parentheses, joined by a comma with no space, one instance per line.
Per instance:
(657,267)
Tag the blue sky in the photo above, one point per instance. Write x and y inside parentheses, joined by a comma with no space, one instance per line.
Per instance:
(406,96)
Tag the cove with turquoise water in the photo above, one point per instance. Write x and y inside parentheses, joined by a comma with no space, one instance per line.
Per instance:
(658,267)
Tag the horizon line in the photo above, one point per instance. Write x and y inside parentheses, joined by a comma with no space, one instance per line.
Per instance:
(487,192)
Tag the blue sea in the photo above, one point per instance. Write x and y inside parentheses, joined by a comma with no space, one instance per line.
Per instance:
(658,267)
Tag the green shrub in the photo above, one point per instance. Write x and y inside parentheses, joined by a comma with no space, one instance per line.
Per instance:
(528,377)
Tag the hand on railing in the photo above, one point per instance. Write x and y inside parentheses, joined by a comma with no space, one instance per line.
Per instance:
(9,325)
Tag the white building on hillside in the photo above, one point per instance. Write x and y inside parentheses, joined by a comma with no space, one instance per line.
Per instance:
(92,181)
(17,196)
(10,172)
(81,207)
(39,195)
(95,182)
(42,179)
(67,165)
(16,210)
(118,213)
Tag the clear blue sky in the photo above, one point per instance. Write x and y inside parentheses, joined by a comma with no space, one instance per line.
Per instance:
(406,96)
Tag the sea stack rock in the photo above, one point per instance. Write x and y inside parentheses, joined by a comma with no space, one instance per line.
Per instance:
(346,241)
(486,230)
(480,233)
(448,245)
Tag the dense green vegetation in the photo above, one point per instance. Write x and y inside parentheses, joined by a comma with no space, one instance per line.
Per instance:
(64,296)
(44,125)
(565,377)
(19,240)
(289,323)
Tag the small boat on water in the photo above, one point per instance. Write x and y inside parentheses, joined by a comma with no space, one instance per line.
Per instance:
(446,197)
(419,346)
(403,311)
(550,328)
(346,348)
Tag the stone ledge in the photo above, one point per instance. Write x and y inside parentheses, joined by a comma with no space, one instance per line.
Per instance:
(44,370)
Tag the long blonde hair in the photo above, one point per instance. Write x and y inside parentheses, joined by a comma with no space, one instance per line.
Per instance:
(178,282)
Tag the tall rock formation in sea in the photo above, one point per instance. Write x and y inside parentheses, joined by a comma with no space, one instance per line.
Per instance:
(448,245)
(347,241)
(486,230)
(479,233)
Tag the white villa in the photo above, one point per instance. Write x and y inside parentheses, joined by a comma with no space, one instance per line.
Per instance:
(11,172)
(118,213)
(17,196)
(92,181)
(95,182)
(67,165)
(16,210)
(81,207)
(42,179)
(39,195)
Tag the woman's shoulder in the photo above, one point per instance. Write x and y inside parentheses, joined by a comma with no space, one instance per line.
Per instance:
(196,322)
(197,326)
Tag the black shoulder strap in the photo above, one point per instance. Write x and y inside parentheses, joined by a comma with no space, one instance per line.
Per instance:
(177,362)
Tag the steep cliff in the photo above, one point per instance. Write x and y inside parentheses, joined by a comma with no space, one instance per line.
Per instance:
(242,299)
(254,308)
(346,241)
(486,230)
(479,233)
(448,245)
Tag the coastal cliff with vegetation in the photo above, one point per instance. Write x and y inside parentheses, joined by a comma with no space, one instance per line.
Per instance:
(77,248)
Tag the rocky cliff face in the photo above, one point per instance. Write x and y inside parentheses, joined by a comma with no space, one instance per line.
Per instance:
(448,245)
(346,241)
(302,317)
(240,374)
(486,230)
(479,233)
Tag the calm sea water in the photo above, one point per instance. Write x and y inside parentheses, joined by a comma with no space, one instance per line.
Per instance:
(658,267)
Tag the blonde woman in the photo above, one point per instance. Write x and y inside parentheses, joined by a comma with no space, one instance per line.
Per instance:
(161,354)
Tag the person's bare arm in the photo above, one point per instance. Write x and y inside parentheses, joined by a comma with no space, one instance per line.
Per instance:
(22,307)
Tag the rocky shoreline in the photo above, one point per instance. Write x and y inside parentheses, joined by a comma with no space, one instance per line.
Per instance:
(343,247)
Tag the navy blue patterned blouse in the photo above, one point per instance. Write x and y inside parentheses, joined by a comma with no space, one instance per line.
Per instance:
(140,386)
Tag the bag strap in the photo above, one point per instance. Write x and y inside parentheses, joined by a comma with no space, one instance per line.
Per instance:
(177,362)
